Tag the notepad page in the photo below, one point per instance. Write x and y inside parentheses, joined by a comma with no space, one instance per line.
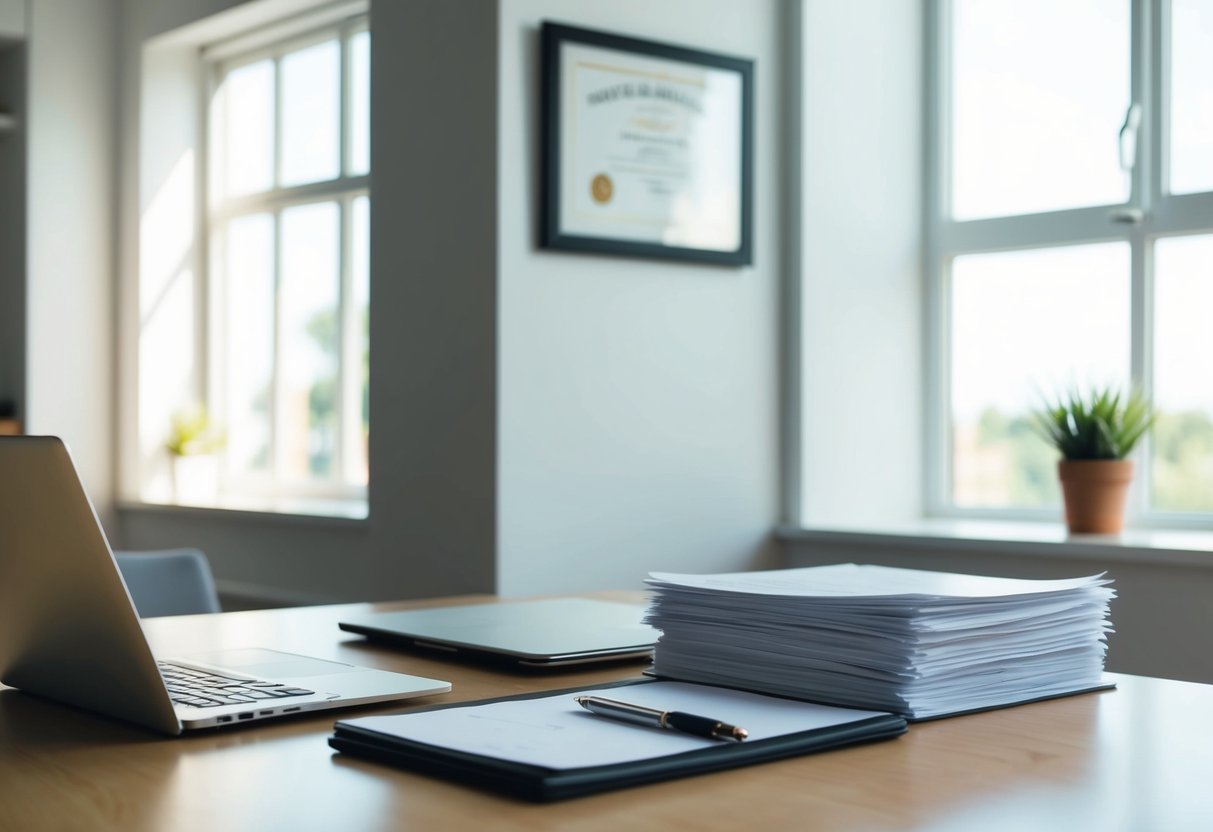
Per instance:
(556,732)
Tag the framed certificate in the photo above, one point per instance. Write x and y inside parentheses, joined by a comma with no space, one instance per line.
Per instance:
(648,148)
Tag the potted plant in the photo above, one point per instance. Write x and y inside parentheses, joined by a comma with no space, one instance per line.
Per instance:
(1095,434)
(192,443)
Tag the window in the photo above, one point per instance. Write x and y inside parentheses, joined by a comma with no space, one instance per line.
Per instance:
(254,267)
(288,211)
(1070,240)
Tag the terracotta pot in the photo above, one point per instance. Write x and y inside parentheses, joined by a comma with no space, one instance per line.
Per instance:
(1094,492)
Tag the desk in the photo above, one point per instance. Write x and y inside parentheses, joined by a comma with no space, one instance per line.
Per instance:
(1138,758)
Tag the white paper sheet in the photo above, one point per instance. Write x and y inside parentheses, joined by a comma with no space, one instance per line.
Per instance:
(852,581)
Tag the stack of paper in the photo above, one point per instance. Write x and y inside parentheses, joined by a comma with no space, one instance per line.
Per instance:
(920,644)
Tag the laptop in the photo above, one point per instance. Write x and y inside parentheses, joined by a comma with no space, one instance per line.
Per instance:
(69,631)
(555,632)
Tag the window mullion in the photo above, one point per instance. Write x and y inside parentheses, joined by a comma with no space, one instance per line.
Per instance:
(1181,214)
(343,304)
(277,415)
(1080,225)
(278,408)
(937,462)
(1144,196)
(1143,176)
(284,197)
(344,427)
(351,377)
(1142,342)
(1156,16)
(343,142)
(277,182)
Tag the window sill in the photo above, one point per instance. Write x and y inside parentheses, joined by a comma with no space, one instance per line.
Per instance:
(1153,546)
(343,512)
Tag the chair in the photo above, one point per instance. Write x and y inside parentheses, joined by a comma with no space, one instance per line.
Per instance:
(169,582)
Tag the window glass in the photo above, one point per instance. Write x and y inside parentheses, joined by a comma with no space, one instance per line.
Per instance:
(247,153)
(360,104)
(1191,114)
(1035,118)
(1182,439)
(1026,326)
(310,342)
(311,114)
(249,343)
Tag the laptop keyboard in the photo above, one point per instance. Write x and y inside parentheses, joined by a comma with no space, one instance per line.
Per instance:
(203,689)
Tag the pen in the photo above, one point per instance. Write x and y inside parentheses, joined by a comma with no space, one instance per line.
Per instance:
(700,726)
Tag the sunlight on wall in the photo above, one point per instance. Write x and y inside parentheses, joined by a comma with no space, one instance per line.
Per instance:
(168,360)
(166,234)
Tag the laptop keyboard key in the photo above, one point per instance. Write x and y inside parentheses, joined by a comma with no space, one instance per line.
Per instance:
(198,689)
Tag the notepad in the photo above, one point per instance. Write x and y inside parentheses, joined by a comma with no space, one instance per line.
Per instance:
(545,746)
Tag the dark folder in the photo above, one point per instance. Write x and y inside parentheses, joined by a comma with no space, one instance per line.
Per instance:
(546,783)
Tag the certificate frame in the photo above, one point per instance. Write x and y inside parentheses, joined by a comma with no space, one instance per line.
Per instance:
(647,148)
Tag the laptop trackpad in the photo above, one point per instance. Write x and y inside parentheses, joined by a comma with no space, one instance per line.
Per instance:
(271,664)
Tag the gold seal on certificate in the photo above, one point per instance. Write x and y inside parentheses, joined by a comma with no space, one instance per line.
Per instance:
(601,189)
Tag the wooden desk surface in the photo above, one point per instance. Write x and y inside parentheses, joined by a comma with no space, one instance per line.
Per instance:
(1138,758)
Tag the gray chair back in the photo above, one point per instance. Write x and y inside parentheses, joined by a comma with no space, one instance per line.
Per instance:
(169,582)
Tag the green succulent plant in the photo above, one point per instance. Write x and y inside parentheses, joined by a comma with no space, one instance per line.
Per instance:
(1106,424)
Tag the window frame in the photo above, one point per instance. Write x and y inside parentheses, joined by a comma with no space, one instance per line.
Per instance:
(342,23)
(1162,215)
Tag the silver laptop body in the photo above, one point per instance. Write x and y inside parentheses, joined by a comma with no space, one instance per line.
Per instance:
(550,632)
(69,631)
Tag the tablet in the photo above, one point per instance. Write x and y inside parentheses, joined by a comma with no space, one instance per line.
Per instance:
(553,632)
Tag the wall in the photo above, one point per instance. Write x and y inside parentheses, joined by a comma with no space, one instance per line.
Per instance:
(639,417)
(70,198)
(861,253)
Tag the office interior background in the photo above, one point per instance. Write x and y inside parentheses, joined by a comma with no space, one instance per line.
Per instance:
(545,421)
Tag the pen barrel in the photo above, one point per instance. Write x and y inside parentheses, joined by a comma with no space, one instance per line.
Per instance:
(700,726)
(623,711)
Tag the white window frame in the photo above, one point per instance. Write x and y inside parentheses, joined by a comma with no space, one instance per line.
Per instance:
(1149,214)
(341,23)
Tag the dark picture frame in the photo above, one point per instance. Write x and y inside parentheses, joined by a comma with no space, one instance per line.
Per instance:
(647,148)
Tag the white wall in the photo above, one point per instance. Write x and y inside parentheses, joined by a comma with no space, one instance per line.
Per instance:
(638,399)
(70,232)
(861,255)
